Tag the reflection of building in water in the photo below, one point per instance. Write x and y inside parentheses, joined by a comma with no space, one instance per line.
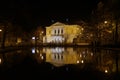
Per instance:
(103,60)
(39,55)
(85,54)
(60,56)
(61,33)
(106,61)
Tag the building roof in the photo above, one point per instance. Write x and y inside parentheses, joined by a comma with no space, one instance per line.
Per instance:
(57,24)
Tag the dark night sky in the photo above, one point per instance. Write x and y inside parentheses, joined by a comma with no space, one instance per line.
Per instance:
(31,13)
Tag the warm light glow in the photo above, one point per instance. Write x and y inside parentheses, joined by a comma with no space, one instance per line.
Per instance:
(80,55)
(82,29)
(42,32)
(78,61)
(40,54)
(37,51)
(0,30)
(62,33)
(0,60)
(57,50)
(106,71)
(105,22)
(19,40)
(42,57)
(33,38)
(109,31)
(82,61)
(91,54)
(91,35)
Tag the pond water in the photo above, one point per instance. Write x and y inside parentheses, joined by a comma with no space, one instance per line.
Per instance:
(60,63)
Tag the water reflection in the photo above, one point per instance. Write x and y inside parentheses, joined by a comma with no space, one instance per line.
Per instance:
(105,61)
(1,59)
(61,56)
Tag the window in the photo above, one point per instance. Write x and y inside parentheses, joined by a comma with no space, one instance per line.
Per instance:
(55,31)
(61,31)
(58,31)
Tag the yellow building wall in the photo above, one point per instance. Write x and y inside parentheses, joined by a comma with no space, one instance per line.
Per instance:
(69,32)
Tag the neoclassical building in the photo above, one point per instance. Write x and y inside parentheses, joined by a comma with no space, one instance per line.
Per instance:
(62,33)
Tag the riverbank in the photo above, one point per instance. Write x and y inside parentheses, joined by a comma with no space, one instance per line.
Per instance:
(11,48)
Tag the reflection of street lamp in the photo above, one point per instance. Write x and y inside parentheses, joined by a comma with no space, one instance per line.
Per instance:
(41,36)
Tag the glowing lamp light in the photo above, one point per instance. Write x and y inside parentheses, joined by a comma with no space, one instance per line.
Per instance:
(42,57)
(33,38)
(78,61)
(106,71)
(0,60)
(0,30)
(33,50)
(82,61)
(91,54)
(105,22)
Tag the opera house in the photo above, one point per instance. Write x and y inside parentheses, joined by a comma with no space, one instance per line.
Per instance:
(62,33)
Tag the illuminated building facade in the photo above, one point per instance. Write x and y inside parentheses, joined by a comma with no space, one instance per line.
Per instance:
(62,33)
